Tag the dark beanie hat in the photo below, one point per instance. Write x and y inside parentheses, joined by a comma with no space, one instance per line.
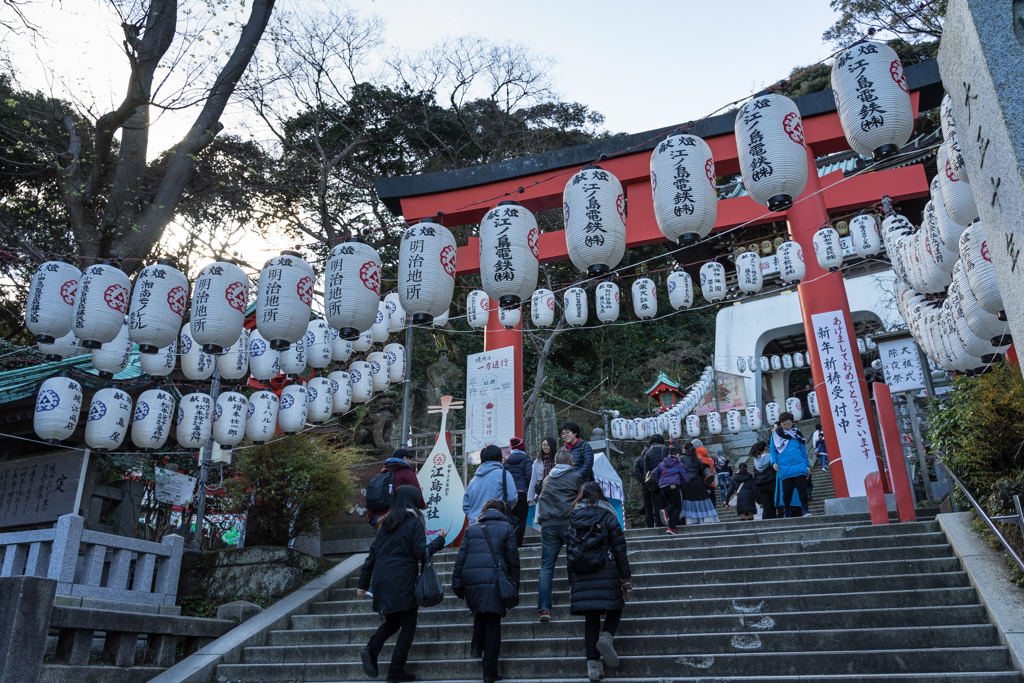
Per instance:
(401,453)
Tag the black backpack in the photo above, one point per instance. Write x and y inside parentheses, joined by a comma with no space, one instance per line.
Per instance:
(380,491)
(586,552)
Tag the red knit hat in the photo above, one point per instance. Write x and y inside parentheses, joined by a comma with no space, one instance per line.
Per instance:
(516,443)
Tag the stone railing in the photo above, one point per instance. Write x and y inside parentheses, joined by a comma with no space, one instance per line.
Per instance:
(112,567)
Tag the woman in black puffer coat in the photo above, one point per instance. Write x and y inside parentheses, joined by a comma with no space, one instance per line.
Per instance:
(605,590)
(743,487)
(473,579)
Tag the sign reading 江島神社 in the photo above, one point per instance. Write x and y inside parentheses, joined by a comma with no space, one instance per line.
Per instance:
(39,489)
(844,399)
(490,398)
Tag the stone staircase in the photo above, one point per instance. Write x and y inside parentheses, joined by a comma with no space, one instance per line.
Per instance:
(823,490)
(815,598)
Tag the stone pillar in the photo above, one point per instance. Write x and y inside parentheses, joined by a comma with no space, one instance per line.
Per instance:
(25,606)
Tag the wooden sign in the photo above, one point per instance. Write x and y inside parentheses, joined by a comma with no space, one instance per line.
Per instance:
(442,486)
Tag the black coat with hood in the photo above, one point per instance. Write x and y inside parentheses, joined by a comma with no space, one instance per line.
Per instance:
(520,468)
(600,590)
(473,576)
(746,500)
(394,563)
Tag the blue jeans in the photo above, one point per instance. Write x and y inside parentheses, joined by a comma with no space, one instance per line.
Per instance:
(551,540)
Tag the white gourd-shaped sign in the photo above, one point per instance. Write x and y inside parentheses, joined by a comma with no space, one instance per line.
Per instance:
(343,392)
(51,300)
(442,486)
(229,419)
(574,304)
(680,290)
(220,298)
(101,303)
(158,302)
(284,299)
(291,416)
(683,188)
(645,298)
(426,270)
(264,362)
(233,363)
(542,308)
(606,301)
(594,209)
(195,421)
(151,424)
(352,283)
(261,417)
(509,253)
(58,405)
(770,143)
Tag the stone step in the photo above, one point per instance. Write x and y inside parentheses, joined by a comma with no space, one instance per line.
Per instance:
(966,677)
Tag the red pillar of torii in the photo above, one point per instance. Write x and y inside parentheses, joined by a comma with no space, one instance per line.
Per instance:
(543,190)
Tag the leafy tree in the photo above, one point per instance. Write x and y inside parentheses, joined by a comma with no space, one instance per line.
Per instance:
(905,19)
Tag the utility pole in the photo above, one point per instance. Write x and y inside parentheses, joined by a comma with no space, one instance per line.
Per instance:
(405,386)
(204,465)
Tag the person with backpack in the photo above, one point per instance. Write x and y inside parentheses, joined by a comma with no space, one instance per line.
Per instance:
(397,471)
(398,551)
(788,451)
(709,462)
(490,482)
(742,487)
(582,453)
(520,468)
(764,479)
(599,575)
(488,546)
(554,507)
(670,475)
(654,502)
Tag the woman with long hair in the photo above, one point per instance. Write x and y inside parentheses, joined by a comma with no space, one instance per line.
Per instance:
(542,466)
(764,479)
(604,590)
(396,555)
(742,485)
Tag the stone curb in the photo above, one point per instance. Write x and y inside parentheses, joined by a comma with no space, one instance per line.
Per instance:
(986,568)
(201,667)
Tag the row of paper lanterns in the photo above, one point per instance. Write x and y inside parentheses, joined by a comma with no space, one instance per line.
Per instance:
(793,361)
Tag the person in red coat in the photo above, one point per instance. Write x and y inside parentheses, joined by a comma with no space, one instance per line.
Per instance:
(401,464)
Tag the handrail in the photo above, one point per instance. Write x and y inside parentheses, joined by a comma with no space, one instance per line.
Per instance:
(1019,519)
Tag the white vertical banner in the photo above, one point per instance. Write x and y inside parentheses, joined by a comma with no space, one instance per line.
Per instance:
(490,399)
(901,364)
(844,399)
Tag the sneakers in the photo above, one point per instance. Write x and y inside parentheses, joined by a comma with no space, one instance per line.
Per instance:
(664,517)
(606,646)
(400,676)
(475,653)
(595,669)
(670,530)
(369,663)
(544,616)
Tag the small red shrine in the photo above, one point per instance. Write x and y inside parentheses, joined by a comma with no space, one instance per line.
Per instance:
(666,391)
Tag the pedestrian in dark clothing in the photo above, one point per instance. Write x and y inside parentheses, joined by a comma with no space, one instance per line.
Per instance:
(654,502)
(582,453)
(789,458)
(473,579)
(671,477)
(604,590)
(742,487)
(520,468)
(764,479)
(396,556)
(553,509)
(400,463)
(698,505)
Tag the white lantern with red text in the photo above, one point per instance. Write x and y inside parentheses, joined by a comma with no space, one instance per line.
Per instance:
(107,425)
(712,281)
(748,272)
(792,269)
(794,406)
(974,252)
(319,399)
(958,199)
(101,303)
(220,297)
(50,309)
(787,361)
(112,357)
(619,429)
(264,362)
(640,429)
(229,419)
(362,381)
(683,188)
(233,363)
(574,304)
(319,337)
(291,416)
(342,392)
(151,424)
(284,298)
(680,290)
(675,427)
(352,287)
(195,421)
(261,417)
(509,252)
(158,302)
(764,363)
(645,298)
(542,308)
(798,360)
(952,140)
(477,309)
(426,270)
(827,249)
(770,141)
(776,363)
(606,301)
(594,209)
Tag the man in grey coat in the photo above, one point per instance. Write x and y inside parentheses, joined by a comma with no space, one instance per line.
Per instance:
(554,505)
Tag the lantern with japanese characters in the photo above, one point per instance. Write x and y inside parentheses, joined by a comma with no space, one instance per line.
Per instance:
(712,281)
(872,99)
(151,424)
(67,346)
(692,426)
(195,420)
(195,364)
(341,348)
(396,362)
(791,262)
(380,370)
(51,300)
(640,429)
(158,302)
(510,317)
(112,357)
(509,251)
(741,365)
(771,412)
(866,240)
(619,429)
(794,406)
(812,403)
(220,297)
(261,417)
(776,363)
(264,362)
(787,361)
(363,343)
(284,298)
(101,303)
(574,303)
(542,308)
(894,228)
(594,209)
(319,337)
(942,256)
(764,363)
(827,249)
(683,188)
(675,427)
(58,404)
(974,252)
(381,327)
(477,309)
(107,425)
(949,231)
(753,417)
(748,272)
(352,287)
(645,298)
(733,421)
(362,381)
(606,301)
(958,199)
(229,419)
(396,314)
(798,360)
(342,392)
(291,416)
(426,270)
(982,323)
(770,142)
(233,364)
(293,358)
(861,346)
(952,140)
(160,364)
(680,290)
(319,399)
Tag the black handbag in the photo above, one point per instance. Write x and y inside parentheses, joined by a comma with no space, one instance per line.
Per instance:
(429,589)
(508,594)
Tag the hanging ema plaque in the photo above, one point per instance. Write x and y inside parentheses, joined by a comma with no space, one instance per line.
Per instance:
(441,484)
(40,489)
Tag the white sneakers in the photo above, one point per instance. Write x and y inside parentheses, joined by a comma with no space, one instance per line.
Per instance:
(595,670)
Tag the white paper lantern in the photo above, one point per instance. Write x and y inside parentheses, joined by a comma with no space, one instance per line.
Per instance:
(195,421)
(341,348)
(861,346)
(157,305)
(478,309)
(594,209)
(982,323)
(787,361)
(606,302)
(362,381)
(733,421)
(827,249)
(396,314)
(352,287)
(342,392)
(764,363)
(776,362)
(440,321)
(645,298)
(67,346)
(792,269)
(51,300)
(380,369)
(319,399)
(162,363)
(510,317)
(771,412)
(101,303)
(220,297)
(640,429)
(692,426)
(952,139)
(381,327)
(363,343)
(291,416)
(944,255)
(752,363)
(770,142)
(233,363)
(619,429)
(748,272)
(794,406)
(981,275)
(954,322)
(741,365)
(58,404)
(151,424)
(683,188)
(509,251)
(812,403)
(284,298)
(798,360)
(426,270)
(958,199)
(107,425)
(542,308)
(574,304)
(229,419)
(870,342)
(753,417)
(949,231)
(318,340)
(261,417)
(675,427)
(264,362)
(680,290)
(293,358)
(195,364)
(866,240)
(396,362)
(872,99)
(112,357)
(712,281)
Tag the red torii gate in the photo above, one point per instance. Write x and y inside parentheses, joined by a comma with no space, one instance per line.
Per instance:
(463,197)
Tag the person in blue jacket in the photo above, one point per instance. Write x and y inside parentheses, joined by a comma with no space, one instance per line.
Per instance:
(490,482)
(788,450)
(582,453)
